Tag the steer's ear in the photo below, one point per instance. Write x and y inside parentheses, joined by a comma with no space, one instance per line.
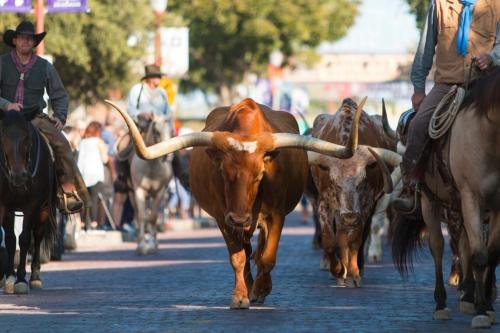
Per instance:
(270,156)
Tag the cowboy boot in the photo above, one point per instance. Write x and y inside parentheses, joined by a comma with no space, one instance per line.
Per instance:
(406,203)
(69,201)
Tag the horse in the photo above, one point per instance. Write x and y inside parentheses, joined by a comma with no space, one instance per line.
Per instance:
(468,183)
(149,180)
(27,184)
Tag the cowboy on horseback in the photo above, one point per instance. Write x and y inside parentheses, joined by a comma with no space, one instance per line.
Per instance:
(459,34)
(24,77)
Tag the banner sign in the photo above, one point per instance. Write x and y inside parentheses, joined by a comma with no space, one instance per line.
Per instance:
(175,51)
(66,6)
(15,6)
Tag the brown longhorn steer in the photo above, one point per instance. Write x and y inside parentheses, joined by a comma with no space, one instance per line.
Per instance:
(348,189)
(242,175)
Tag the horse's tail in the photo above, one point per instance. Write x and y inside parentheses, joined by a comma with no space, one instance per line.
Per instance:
(51,230)
(406,237)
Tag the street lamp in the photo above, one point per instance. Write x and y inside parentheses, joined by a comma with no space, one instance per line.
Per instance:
(159,8)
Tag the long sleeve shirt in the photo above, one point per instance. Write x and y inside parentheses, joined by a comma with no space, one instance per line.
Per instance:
(144,99)
(426,50)
(58,97)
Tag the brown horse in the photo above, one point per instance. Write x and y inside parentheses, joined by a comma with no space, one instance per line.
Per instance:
(28,184)
(471,152)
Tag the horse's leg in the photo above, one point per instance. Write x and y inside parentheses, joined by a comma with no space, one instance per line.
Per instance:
(38,232)
(3,257)
(436,243)
(479,254)
(263,283)
(151,221)
(21,286)
(10,244)
(493,260)
(140,213)
(467,284)
(454,227)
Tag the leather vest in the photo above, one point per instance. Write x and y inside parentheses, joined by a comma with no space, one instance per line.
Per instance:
(35,81)
(451,67)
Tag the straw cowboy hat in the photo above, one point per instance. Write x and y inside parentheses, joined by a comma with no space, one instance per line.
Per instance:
(24,28)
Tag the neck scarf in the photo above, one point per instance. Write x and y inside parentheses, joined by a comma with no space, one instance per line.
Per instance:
(463,29)
(22,69)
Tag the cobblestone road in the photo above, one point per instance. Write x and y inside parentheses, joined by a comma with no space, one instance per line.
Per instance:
(186,287)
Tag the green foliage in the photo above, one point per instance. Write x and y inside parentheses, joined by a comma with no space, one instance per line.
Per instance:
(90,50)
(229,38)
(419,8)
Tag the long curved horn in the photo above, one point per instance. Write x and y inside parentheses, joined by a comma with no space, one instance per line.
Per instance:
(385,123)
(288,140)
(164,147)
(388,156)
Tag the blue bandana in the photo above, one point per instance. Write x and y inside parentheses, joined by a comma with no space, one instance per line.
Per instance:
(463,29)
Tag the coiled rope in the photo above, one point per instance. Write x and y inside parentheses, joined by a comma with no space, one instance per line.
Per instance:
(442,119)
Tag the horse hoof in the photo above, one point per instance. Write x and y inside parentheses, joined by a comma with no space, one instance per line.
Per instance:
(443,314)
(21,288)
(351,282)
(491,315)
(481,321)
(467,308)
(36,284)
(257,299)
(239,303)
(324,264)
(9,285)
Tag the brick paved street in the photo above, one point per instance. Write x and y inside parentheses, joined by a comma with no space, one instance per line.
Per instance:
(186,287)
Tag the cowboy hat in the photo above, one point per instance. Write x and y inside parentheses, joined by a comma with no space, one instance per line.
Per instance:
(152,71)
(24,28)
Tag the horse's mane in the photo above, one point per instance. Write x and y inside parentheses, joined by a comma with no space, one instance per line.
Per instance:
(485,93)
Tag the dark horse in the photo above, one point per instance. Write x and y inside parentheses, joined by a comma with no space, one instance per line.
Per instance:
(27,184)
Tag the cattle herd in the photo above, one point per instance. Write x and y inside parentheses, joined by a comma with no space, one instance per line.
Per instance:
(250,167)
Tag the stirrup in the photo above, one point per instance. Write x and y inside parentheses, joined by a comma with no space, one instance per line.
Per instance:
(69,202)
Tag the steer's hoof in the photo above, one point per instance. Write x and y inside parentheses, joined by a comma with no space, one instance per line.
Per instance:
(353,282)
(257,299)
(36,284)
(491,315)
(467,308)
(239,303)
(9,285)
(142,248)
(341,282)
(443,314)
(21,288)
(481,321)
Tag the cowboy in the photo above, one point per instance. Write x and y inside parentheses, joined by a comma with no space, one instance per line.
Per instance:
(23,78)
(145,100)
(459,34)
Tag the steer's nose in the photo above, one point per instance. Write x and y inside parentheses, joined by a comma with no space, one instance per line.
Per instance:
(238,220)
(350,219)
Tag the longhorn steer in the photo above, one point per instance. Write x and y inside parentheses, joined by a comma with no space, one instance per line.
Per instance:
(349,188)
(243,177)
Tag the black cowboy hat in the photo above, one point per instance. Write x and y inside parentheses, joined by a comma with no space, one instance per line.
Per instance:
(152,71)
(24,28)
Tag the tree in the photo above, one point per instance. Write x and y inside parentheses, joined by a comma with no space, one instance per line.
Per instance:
(419,8)
(230,38)
(91,50)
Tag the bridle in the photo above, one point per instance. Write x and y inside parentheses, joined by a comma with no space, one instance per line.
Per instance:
(4,166)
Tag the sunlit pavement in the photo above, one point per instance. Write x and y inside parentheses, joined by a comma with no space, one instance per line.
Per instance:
(186,287)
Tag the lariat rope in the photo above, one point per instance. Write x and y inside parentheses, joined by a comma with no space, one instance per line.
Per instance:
(442,119)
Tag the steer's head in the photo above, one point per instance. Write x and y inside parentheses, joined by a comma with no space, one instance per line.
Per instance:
(350,185)
(242,162)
